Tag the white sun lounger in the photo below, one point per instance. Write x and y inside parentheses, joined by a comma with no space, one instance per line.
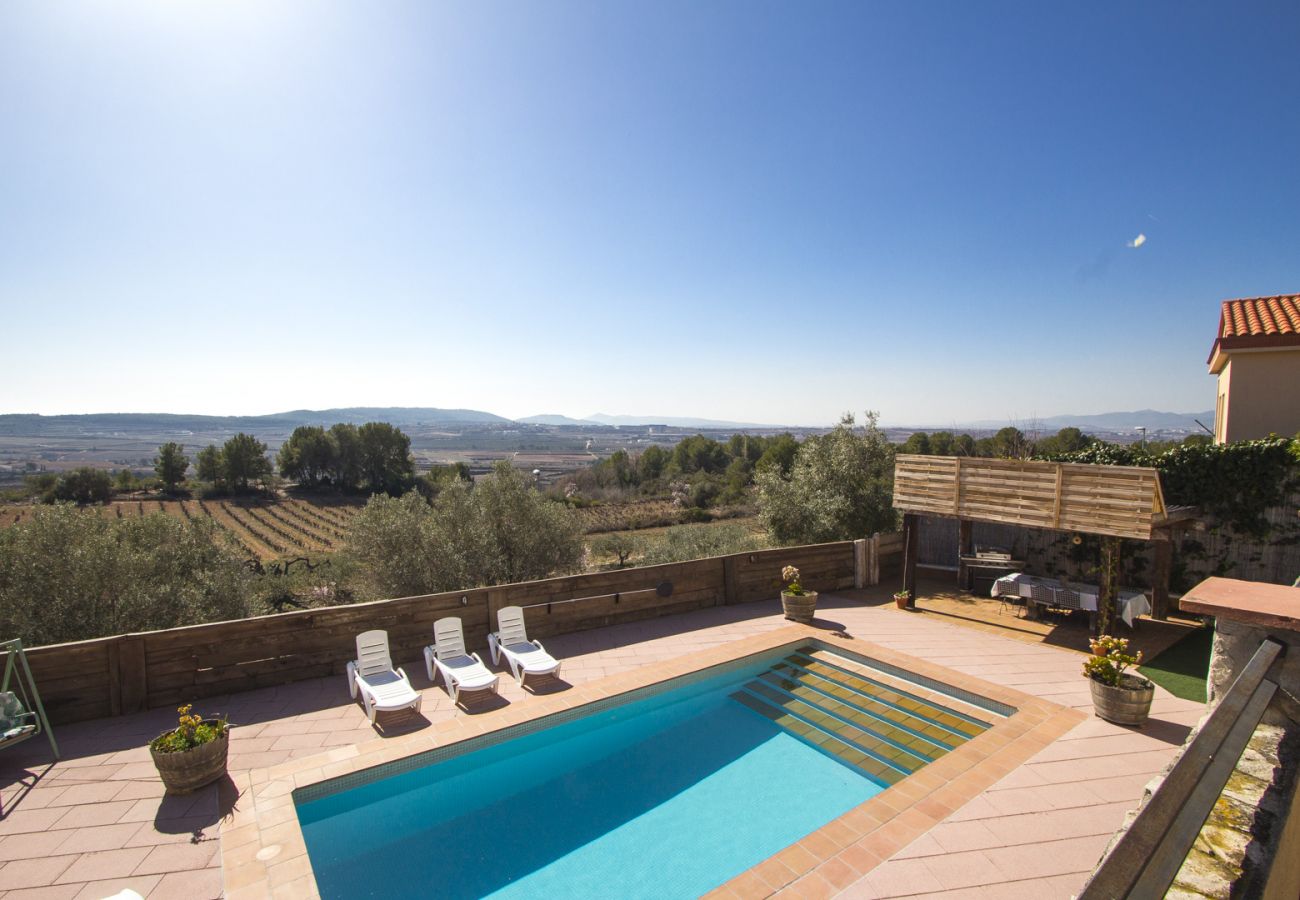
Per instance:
(511,641)
(382,687)
(460,671)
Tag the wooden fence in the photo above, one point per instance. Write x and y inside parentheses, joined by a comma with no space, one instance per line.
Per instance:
(128,673)
(1122,501)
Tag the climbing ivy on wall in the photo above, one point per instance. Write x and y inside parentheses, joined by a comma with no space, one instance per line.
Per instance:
(1236,482)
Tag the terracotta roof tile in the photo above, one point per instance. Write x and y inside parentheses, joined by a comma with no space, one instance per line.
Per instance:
(1259,316)
(1256,322)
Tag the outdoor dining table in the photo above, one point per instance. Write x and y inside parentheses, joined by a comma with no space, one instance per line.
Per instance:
(1018,584)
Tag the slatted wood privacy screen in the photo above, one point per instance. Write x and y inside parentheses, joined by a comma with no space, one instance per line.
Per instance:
(1121,501)
(128,673)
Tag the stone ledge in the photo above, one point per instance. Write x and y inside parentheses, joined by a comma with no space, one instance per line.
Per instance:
(1253,602)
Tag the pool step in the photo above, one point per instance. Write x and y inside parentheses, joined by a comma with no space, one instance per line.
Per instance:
(828,742)
(942,722)
(869,718)
(865,718)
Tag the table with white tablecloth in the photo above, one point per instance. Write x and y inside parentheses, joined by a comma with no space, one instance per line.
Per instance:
(1131,603)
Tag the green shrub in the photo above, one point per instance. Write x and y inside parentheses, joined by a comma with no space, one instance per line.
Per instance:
(66,575)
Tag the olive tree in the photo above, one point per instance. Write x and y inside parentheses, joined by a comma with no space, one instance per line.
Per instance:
(840,487)
(66,575)
(498,531)
(82,486)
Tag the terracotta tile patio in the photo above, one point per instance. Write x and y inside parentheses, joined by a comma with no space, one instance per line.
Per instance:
(97,821)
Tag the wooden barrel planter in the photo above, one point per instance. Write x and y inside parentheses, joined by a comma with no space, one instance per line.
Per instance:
(799,607)
(1129,703)
(185,771)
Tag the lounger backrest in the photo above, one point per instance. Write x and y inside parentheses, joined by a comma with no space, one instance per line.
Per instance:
(372,653)
(510,625)
(448,638)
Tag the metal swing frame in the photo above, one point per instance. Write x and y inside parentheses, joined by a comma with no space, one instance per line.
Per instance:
(15,657)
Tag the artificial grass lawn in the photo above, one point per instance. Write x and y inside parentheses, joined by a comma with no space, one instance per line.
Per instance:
(1182,669)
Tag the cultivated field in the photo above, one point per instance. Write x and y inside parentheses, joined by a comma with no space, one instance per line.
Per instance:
(267,529)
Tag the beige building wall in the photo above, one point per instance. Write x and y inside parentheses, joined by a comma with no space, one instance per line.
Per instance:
(1259,394)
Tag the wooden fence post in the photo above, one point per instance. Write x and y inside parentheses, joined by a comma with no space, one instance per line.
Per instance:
(860,563)
(730,579)
(133,675)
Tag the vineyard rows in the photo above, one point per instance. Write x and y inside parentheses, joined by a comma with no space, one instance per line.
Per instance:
(266,530)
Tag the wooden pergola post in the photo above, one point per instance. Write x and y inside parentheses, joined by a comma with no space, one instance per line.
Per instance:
(965,548)
(1161,570)
(1109,584)
(911,551)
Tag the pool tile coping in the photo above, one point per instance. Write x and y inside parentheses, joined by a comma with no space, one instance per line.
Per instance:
(263,853)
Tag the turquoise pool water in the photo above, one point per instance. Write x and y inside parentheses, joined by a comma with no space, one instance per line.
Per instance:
(667,796)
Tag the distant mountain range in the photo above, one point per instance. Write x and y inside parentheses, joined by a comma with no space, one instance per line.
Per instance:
(1151,419)
(674,421)
(98,422)
(412,417)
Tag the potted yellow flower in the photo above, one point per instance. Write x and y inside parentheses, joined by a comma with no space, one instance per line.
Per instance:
(1117,696)
(797,604)
(193,754)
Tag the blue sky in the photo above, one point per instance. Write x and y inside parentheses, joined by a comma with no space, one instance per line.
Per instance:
(752,211)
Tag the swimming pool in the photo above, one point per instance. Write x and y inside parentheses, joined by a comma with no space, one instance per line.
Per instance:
(664,795)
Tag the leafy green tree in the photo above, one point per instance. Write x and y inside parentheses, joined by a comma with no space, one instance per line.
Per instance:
(386,462)
(700,454)
(244,461)
(1010,443)
(308,456)
(125,481)
(963,445)
(83,486)
(840,487)
(42,485)
(497,531)
(530,536)
(210,465)
(917,443)
(622,545)
(1067,440)
(346,472)
(941,443)
(438,478)
(779,453)
(170,465)
(652,462)
(67,576)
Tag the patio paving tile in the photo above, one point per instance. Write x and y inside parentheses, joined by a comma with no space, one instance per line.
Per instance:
(98,890)
(1082,781)
(26,873)
(104,864)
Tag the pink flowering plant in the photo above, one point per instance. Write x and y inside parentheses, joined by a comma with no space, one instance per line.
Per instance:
(790,580)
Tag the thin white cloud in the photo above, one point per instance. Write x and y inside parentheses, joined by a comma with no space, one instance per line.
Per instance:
(1138,241)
